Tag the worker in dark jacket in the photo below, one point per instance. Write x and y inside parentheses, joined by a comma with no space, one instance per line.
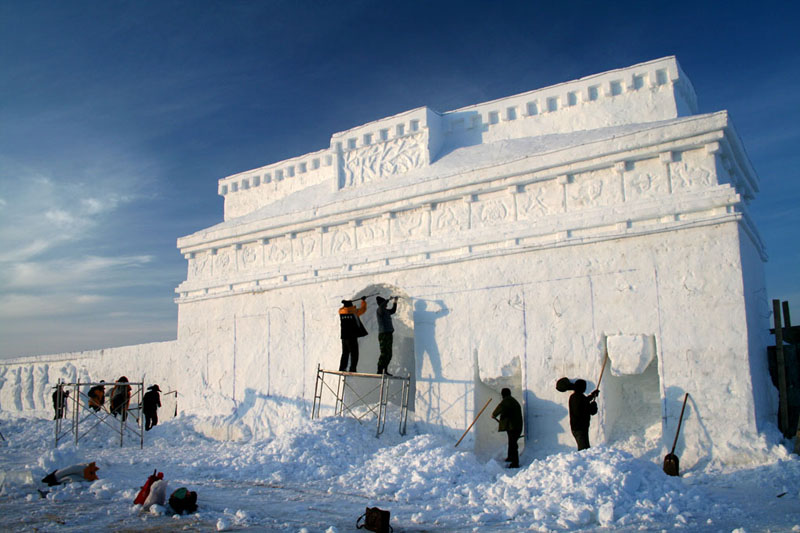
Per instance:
(509,416)
(385,333)
(59,401)
(97,396)
(581,409)
(351,330)
(150,404)
(120,398)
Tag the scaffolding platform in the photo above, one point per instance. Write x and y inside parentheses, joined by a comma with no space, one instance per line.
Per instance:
(341,385)
(82,415)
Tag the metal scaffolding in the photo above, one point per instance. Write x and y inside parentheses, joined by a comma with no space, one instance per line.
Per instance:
(82,415)
(349,399)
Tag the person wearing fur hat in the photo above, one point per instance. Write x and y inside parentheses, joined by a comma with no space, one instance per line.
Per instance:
(351,330)
(150,404)
(581,409)
(385,333)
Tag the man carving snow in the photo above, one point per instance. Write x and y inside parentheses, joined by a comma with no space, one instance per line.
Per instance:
(385,333)
(351,330)
(581,409)
(510,421)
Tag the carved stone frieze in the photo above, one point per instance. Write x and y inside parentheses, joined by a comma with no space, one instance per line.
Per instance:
(384,159)
(492,212)
(199,266)
(540,200)
(686,176)
(593,189)
(409,225)
(373,232)
(306,246)
(249,257)
(278,250)
(450,217)
(339,240)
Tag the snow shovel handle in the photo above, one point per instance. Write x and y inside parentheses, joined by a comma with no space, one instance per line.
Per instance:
(602,369)
(473,422)
(680,419)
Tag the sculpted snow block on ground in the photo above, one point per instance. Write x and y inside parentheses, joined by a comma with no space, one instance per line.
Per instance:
(518,233)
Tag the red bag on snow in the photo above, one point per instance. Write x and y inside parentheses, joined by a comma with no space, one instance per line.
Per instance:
(145,491)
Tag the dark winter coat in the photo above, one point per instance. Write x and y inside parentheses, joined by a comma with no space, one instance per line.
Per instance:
(384,314)
(151,402)
(97,396)
(581,409)
(509,413)
(351,327)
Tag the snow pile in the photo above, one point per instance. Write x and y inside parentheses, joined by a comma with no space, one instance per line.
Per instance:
(319,476)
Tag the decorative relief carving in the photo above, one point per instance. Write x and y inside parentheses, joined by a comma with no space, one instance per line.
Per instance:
(278,251)
(384,159)
(249,257)
(408,225)
(493,212)
(372,233)
(593,189)
(688,177)
(199,266)
(222,262)
(341,241)
(450,217)
(306,246)
(540,201)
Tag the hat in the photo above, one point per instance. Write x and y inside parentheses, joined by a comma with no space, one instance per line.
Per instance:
(380,300)
(347,303)
(154,387)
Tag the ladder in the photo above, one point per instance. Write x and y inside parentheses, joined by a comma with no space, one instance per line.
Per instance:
(349,400)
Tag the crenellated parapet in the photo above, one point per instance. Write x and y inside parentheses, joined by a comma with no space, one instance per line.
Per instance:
(413,140)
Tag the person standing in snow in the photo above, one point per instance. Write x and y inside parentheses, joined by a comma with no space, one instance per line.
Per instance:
(385,333)
(581,409)
(97,396)
(150,404)
(509,416)
(59,401)
(351,330)
(120,398)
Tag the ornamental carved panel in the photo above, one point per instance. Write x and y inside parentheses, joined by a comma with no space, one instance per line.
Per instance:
(224,262)
(492,212)
(278,251)
(594,189)
(540,200)
(200,266)
(685,176)
(306,246)
(250,257)
(374,232)
(450,217)
(339,241)
(384,159)
(409,225)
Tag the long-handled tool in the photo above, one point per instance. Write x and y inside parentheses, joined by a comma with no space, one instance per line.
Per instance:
(603,368)
(671,462)
(473,422)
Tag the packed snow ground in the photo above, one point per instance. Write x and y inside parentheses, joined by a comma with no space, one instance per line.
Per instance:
(318,476)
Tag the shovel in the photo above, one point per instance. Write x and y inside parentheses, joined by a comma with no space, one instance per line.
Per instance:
(671,462)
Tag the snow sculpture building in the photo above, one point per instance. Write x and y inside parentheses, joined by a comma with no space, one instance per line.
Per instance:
(525,236)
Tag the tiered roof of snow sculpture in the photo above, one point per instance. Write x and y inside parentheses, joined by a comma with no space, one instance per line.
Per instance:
(614,154)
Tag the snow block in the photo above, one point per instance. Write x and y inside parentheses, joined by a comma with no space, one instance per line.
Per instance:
(630,354)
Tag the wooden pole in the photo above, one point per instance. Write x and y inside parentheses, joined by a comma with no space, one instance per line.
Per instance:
(473,422)
(781,368)
(605,360)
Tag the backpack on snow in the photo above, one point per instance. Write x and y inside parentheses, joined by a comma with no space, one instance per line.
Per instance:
(375,520)
(183,500)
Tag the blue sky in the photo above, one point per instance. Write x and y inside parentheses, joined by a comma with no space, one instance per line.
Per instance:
(118,118)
